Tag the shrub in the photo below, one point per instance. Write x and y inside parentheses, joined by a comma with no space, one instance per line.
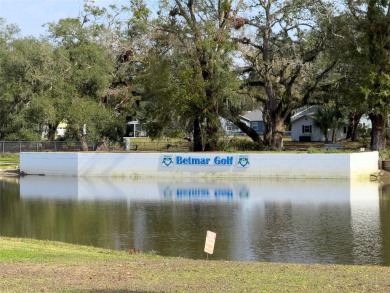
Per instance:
(384,154)
(313,150)
(240,144)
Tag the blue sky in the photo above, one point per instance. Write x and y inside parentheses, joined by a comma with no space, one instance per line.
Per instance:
(30,15)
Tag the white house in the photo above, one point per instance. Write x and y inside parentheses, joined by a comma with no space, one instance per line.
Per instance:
(303,127)
(61,129)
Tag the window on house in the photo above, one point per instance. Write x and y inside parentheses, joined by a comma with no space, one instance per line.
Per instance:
(254,126)
(306,128)
(229,128)
(345,129)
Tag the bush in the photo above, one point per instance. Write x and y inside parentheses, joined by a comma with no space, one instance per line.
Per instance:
(240,144)
(384,154)
(313,150)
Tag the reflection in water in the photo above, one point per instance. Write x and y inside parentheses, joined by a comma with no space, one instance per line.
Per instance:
(304,221)
(384,214)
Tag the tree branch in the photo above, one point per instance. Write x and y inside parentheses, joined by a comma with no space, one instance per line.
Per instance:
(310,91)
(247,41)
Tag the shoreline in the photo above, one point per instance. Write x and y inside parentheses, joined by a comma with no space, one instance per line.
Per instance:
(11,172)
(382,176)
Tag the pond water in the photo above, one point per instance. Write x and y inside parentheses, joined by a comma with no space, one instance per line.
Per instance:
(285,220)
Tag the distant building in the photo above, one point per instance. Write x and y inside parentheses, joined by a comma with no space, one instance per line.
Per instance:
(365,122)
(253,119)
(61,129)
(135,129)
(303,126)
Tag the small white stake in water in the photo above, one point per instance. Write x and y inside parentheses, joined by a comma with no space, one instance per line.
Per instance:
(210,242)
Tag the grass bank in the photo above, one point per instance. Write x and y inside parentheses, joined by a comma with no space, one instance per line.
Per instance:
(40,266)
(9,161)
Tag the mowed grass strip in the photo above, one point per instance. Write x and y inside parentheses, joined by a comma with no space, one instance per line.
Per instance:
(9,161)
(43,266)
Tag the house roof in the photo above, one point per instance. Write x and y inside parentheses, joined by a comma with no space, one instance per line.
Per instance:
(255,115)
(306,112)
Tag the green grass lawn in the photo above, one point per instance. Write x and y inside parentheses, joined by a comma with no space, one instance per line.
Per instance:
(42,266)
(9,158)
(9,161)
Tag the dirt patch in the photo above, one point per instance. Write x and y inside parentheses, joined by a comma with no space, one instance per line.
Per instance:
(104,277)
(9,173)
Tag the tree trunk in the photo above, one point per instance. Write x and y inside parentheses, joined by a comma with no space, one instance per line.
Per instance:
(378,133)
(267,135)
(277,133)
(83,146)
(51,133)
(334,130)
(325,134)
(352,133)
(198,147)
(212,127)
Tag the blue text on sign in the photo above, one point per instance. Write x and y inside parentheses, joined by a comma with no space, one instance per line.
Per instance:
(218,160)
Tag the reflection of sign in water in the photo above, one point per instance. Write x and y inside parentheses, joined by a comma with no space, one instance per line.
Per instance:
(204,193)
(210,242)
(167,192)
(192,192)
(226,192)
(244,193)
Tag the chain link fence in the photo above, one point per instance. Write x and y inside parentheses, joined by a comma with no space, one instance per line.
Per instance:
(46,146)
(77,146)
